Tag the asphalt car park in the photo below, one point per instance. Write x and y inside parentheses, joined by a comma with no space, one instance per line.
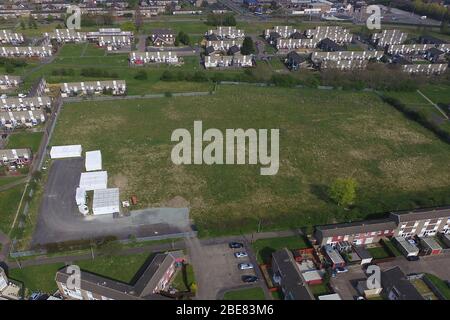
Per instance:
(345,283)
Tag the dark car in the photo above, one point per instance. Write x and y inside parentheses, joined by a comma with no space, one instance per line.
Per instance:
(235,245)
(249,279)
(412,258)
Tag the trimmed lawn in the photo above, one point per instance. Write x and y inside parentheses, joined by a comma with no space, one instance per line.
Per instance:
(245,294)
(30,140)
(320,289)
(37,278)
(324,135)
(378,253)
(265,247)
(9,201)
(440,284)
(9,179)
(393,248)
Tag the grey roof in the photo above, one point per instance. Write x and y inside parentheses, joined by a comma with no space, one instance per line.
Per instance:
(297,35)
(362,252)
(395,278)
(294,56)
(209,50)
(291,277)
(233,50)
(435,51)
(340,229)
(330,44)
(421,214)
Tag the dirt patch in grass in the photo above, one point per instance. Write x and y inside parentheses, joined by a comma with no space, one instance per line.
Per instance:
(177,202)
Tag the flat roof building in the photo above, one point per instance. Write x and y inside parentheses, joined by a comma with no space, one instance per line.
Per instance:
(93,161)
(90,181)
(106,201)
(69,151)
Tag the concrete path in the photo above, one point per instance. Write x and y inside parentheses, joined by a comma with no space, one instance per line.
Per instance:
(433,104)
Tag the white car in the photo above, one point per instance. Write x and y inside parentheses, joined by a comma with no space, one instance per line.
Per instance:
(245,266)
(21,95)
(3,96)
(241,254)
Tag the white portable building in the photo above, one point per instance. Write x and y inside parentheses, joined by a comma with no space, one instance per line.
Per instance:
(106,201)
(93,161)
(61,152)
(80,196)
(93,180)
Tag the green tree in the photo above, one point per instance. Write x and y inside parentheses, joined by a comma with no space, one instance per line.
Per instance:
(343,191)
(22,25)
(183,38)
(248,47)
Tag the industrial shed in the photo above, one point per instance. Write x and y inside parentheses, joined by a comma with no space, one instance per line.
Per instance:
(106,201)
(61,152)
(90,181)
(93,161)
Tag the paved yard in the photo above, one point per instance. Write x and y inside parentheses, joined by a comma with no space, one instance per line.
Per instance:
(59,219)
(345,283)
(437,265)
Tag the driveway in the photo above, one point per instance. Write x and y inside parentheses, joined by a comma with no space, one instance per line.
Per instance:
(437,265)
(345,283)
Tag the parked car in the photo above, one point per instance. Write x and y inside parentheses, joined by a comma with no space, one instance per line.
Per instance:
(235,245)
(412,258)
(3,96)
(341,270)
(241,254)
(21,95)
(249,279)
(245,266)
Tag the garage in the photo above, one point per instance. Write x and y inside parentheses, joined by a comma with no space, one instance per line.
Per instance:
(93,161)
(106,201)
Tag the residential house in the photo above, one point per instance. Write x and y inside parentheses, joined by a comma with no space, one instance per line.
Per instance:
(358,233)
(389,37)
(396,286)
(111,38)
(294,61)
(335,33)
(9,81)
(409,48)
(365,255)
(67,35)
(273,37)
(209,50)
(426,39)
(27,52)
(140,58)
(444,47)
(346,55)
(287,275)
(236,60)
(9,37)
(224,45)
(282,31)
(12,119)
(291,44)
(163,37)
(435,55)
(233,50)
(116,87)
(114,42)
(226,33)
(155,279)
(15,157)
(343,64)
(329,45)
(241,60)
(22,104)
(9,290)
(422,222)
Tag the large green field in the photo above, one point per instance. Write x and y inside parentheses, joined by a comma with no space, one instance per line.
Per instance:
(9,201)
(323,135)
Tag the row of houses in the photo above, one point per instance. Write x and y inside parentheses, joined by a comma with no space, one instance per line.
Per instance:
(12,119)
(223,33)
(141,58)
(114,87)
(27,52)
(10,37)
(389,37)
(417,48)
(235,60)
(13,158)
(22,104)
(421,223)
(9,81)
(346,55)
(155,279)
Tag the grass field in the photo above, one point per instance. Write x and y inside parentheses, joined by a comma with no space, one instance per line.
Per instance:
(178,281)
(265,247)
(245,294)
(37,278)
(323,135)
(378,253)
(9,202)
(440,284)
(30,140)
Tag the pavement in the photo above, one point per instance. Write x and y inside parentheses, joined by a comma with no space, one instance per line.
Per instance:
(60,221)
(345,283)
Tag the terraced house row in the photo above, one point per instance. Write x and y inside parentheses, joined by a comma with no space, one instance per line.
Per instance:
(141,58)
(223,45)
(346,55)
(223,33)
(15,157)
(421,223)
(389,37)
(8,81)
(9,37)
(21,104)
(114,87)
(435,68)
(30,52)
(236,60)
(12,119)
